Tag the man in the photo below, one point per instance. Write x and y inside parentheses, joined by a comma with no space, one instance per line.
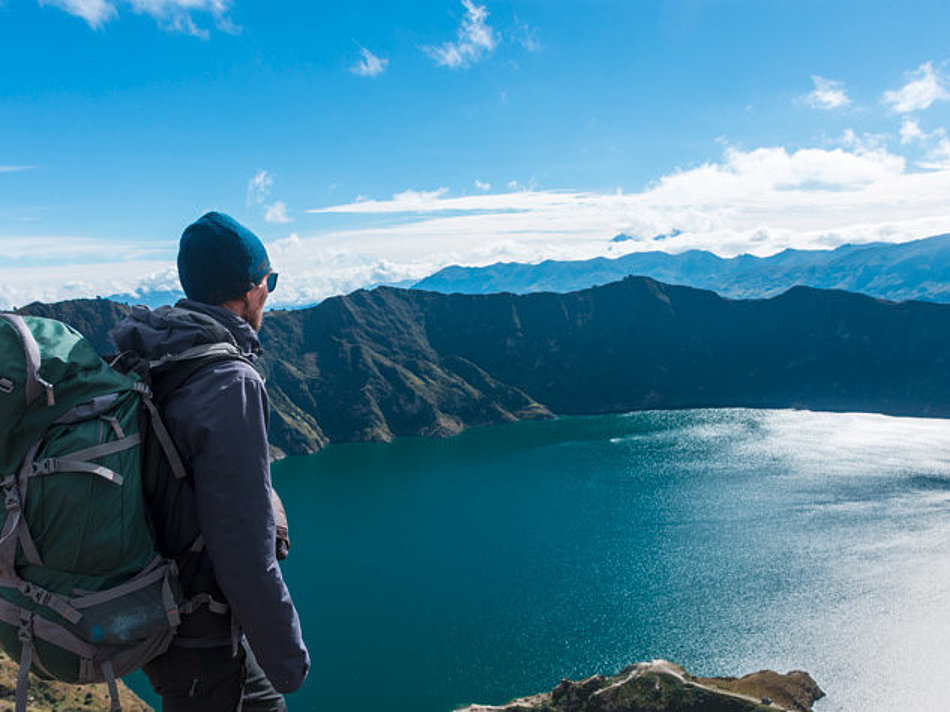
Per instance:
(218,522)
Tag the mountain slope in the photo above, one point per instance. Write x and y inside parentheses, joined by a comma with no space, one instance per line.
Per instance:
(374,365)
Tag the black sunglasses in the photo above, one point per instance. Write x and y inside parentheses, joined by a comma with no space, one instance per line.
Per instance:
(271,281)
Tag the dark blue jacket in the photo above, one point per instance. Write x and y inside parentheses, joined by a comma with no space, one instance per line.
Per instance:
(218,419)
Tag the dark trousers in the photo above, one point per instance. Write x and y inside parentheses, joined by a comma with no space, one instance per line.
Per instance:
(212,680)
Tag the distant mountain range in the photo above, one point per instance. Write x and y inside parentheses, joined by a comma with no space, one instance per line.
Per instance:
(373,365)
(910,270)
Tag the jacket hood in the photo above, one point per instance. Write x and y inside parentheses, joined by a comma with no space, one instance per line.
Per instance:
(172,330)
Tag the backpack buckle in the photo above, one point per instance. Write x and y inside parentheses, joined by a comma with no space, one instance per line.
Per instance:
(46,466)
(25,627)
(11,497)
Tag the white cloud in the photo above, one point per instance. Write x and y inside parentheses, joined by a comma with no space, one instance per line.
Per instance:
(277,213)
(758,201)
(866,142)
(482,186)
(526,36)
(827,94)
(938,157)
(410,200)
(259,193)
(924,87)
(475,40)
(911,131)
(14,169)
(57,249)
(370,65)
(258,188)
(95,12)
(21,285)
(172,15)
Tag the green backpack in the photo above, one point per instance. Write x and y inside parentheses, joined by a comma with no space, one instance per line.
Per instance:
(84,594)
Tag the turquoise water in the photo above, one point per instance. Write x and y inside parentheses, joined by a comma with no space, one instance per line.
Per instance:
(432,573)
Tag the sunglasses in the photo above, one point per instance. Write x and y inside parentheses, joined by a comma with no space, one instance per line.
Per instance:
(272,281)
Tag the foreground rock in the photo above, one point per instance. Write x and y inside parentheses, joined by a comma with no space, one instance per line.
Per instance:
(662,686)
(47,696)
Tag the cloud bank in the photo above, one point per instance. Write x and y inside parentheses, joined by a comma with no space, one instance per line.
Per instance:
(756,201)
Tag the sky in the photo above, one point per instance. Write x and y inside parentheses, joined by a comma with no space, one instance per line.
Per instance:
(373,142)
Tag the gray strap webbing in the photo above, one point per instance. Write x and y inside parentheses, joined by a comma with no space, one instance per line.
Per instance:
(23,530)
(196,352)
(16,524)
(134,584)
(88,410)
(25,634)
(34,384)
(87,669)
(57,464)
(114,424)
(171,605)
(30,551)
(204,599)
(48,630)
(164,439)
(236,636)
(109,675)
(11,486)
(104,449)
(51,600)
(11,501)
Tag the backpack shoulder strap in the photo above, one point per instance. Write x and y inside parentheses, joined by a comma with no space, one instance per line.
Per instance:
(167,375)
(170,372)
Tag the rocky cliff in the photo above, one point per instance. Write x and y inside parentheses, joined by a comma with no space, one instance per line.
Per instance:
(661,686)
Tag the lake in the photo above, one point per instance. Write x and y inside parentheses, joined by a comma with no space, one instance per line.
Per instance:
(434,573)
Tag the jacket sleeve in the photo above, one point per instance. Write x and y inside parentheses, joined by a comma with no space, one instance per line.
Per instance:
(231,465)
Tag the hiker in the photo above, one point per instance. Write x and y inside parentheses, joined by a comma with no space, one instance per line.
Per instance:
(239,645)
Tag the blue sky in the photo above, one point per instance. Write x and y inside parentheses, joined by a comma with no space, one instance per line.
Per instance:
(380,141)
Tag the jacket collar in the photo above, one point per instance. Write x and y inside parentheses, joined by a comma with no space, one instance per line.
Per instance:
(245,338)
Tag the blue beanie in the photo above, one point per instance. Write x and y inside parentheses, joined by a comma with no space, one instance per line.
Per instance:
(219,259)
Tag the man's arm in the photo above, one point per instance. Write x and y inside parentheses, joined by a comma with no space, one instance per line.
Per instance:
(230,461)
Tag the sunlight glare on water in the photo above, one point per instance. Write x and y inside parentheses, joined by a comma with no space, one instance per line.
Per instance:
(431,573)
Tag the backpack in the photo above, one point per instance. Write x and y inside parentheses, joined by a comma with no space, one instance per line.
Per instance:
(85,595)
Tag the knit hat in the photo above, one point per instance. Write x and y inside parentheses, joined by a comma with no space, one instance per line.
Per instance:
(219,259)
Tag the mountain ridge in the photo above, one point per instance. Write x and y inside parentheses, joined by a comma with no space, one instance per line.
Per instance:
(919,269)
(378,364)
